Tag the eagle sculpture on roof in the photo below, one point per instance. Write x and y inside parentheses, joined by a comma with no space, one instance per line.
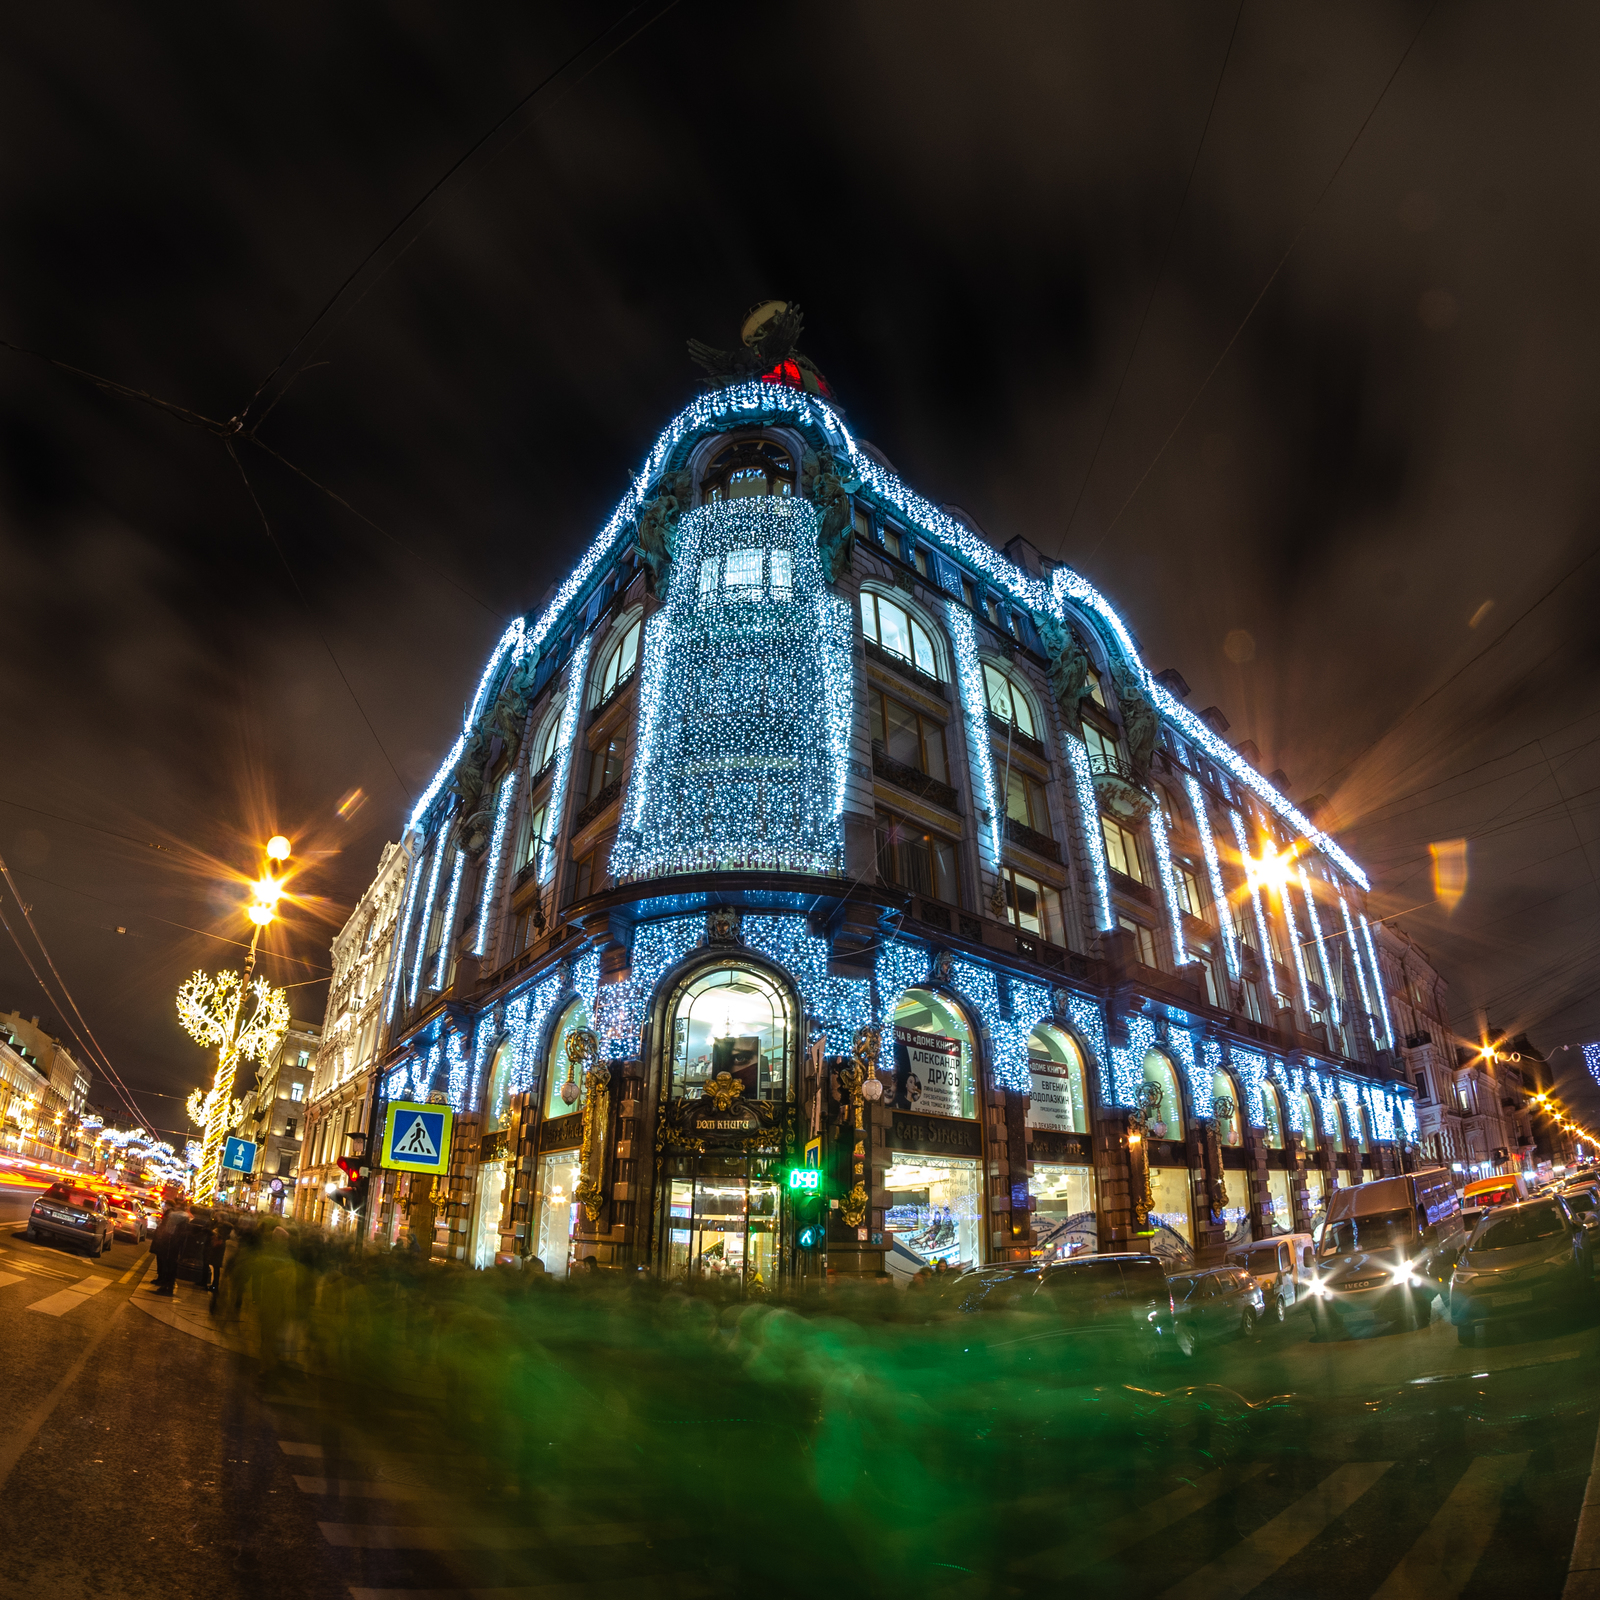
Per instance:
(766,352)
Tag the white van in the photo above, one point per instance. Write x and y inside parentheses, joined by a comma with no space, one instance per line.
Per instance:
(1283,1266)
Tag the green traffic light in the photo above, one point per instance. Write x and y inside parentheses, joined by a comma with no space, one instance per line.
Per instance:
(805,1178)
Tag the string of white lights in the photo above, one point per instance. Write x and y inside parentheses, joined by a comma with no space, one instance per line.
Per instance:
(1169,889)
(1378,990)
(447,928)
(1219,893)
(491,871)
(975,719)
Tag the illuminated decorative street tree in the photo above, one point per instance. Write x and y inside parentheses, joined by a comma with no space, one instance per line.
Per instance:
(244,1020)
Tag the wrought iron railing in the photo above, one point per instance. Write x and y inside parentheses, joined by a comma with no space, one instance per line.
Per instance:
(1041,844)
(911,779)
(596,806)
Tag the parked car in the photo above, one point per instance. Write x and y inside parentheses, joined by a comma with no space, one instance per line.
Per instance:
(127,1221)
(1524,1261)
(1484,1195)
(71,1216)
(1386,1249)
(1217,1302)
(1284,1267)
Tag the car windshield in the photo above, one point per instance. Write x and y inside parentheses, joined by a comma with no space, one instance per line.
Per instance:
(1381,1231)
(1519,1227)
(1580,1200)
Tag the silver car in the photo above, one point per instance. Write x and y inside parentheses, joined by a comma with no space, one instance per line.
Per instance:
(1524,1261)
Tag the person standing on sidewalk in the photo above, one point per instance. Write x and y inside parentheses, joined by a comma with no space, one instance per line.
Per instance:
(167,1246)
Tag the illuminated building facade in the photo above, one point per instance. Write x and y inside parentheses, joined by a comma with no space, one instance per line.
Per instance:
(794,755)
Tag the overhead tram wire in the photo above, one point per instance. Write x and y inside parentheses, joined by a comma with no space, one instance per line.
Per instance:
(1161,272)
(97,1056)
(1272,278)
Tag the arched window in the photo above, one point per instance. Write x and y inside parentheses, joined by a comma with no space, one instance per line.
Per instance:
(748,467)
(1008,700)
(559,1072)
(1056,1098)
(734,1020)
(1230,1128)
(544,748)
(1274,1112)
(935,1065)
(1308,1122)
(497,1104)
(620,662)
(891,627)
(1168,1115)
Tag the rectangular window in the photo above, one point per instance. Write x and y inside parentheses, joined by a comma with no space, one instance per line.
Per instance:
(891,540)
(1103,745)
(536,842)
(1208,978)
(605,768)
(708,575)
(297,1091)
(782,571)
(915,859)
(1093,689)
(1188,887)
(920,557)
(1122,850)
(862,523)
(1025,802)
(588,875)
(1029,905)
(968,599)
(909,737)
(1144,941)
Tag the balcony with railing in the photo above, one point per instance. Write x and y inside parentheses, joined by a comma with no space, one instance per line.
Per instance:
(912,779)
(1041,844)
(606,796)
(906,669)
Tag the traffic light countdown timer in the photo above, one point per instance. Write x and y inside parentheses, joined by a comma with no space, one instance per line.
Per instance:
(806,1191)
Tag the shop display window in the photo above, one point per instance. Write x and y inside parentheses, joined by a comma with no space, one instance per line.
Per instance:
(498,1107)
(1316,1197)
(558,1210)
(1172,1216)
(1308,1122)
(722,1222)
(1276,1210)
(1230,1130)
(934,1062)
(487,1207)
(1166,1121)
(1064,1216)
(1274,1110)
(1055,1065)
(1236,1225)
(558,1070)
(733,1020)
(935,1210)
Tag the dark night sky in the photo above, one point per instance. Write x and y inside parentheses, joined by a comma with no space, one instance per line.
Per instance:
(973,205)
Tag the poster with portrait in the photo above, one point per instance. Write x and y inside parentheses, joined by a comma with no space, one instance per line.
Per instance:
(927,1073)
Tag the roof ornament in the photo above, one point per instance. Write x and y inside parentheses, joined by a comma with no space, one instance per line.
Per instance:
(767,337)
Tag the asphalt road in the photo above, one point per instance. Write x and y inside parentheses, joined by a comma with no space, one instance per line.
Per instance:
(137,1460)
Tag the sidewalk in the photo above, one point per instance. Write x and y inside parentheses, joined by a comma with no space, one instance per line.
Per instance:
(188,1309)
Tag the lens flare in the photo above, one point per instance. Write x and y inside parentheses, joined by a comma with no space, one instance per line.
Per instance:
(1449,871)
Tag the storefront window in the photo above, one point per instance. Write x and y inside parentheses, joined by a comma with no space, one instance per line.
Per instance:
(1166,1121)
(1276,1211)
(1308,1122)
(935,1211)
(1064,1219)
(1172,1216)
(1316,1197)
(1274,1112)
(1056,1098)
(487,1208)
(733,1020)
(558,1211)
(934,1067)
(559,1071)
(1230,1129)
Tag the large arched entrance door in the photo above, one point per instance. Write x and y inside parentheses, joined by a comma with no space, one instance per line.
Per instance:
(727,1088)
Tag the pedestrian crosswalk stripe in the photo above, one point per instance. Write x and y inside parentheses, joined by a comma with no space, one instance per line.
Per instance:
(64,1300)
(1118,1534)
(295,1447)
(9,1277)
(360,1488)
(1254,1560)
(1441,1562)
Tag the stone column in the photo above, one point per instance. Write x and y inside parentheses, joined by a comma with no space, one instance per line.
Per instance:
(1298,1197)
(1255,1147)
(1210,1227)
(1116,1173)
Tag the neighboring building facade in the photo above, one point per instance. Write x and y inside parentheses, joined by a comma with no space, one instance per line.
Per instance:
(352,1037)
(274,1117)
(43,1088)
(740,795)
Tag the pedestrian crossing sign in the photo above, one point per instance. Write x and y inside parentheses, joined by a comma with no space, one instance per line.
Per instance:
(416,1138)
(239,1155)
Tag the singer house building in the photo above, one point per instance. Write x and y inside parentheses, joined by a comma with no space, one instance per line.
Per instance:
(803,828)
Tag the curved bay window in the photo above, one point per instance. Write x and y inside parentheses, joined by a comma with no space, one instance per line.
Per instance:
(730,1044)
(1172,1214)
(1065,1213)
(746,468)
(935,1175)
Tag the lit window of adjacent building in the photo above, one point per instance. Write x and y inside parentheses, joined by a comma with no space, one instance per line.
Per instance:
(908,736)
(891,627)
(1007,700)
(916,859)
(297,1091)
(1122,849)
(305,1058)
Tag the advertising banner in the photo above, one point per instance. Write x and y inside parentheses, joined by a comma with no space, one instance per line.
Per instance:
(927,1073)
(1050,1097)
